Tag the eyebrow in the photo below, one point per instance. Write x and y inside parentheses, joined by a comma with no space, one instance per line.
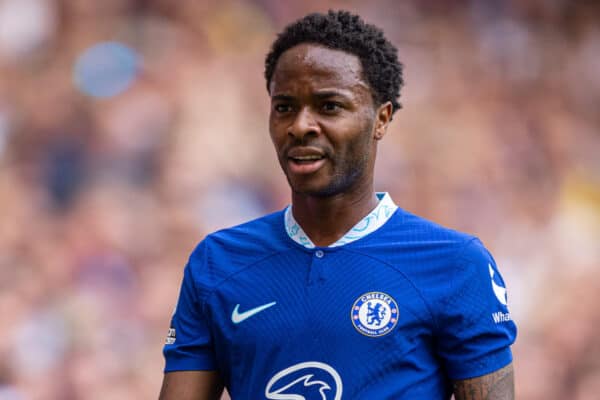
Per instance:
(325,94)
(282,97)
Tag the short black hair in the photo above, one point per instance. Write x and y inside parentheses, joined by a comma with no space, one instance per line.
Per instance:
(341,30)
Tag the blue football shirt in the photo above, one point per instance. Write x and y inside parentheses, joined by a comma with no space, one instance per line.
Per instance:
(396,309)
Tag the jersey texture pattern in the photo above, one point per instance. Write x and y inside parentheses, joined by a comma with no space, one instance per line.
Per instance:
(396,314)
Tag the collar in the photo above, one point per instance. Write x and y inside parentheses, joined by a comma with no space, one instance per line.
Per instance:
(370,223)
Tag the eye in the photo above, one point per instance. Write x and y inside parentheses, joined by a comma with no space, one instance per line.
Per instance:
(282,108)
(331,106)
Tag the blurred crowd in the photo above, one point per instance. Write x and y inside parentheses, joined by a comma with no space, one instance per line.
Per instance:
(102,197)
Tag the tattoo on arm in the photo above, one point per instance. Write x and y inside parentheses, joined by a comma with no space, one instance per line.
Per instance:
(498,385)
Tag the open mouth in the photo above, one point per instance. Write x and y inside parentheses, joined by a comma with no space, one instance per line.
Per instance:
(305,164)
(306,159)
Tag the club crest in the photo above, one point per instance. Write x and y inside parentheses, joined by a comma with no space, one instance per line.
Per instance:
(374,314)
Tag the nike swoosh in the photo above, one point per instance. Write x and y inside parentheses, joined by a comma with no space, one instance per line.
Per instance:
(237,317)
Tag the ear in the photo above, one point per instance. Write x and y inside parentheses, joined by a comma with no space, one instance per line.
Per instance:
(383,118)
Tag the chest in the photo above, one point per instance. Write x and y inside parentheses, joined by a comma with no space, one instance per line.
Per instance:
(323,304)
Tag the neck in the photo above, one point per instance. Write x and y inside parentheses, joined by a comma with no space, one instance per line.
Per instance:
(327,219)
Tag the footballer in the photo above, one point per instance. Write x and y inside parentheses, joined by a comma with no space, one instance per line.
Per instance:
(342,294)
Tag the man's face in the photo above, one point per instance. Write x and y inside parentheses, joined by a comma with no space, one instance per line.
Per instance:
(323,121)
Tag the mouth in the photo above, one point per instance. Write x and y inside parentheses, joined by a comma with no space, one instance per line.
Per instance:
(305,161)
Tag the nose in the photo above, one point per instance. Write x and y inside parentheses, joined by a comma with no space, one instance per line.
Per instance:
(304,124)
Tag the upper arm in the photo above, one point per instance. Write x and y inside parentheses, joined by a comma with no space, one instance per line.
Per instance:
(191,385)
(475,329)
(498,385)
(189,345)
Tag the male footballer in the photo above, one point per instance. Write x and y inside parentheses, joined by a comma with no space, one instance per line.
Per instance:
(341,295)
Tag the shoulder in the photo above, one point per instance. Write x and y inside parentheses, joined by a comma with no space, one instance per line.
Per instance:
(441,250)
(227,251)
(415,241)
(265,233)
(422,229)
(433,257)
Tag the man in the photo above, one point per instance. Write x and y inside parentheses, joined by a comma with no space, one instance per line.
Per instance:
(343,295)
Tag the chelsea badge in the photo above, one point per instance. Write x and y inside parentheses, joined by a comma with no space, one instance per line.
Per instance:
(374,314)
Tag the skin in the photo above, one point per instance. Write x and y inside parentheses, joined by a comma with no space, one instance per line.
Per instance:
(320,102)
(322,105)
(498,385)
(191,385)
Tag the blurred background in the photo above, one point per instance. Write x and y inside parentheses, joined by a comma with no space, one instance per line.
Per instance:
(129,129)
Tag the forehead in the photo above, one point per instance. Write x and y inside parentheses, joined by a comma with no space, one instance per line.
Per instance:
(311,65)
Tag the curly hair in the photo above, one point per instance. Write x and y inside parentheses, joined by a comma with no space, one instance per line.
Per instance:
(341,30)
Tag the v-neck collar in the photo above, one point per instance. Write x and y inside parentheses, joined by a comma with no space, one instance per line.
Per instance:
(370,223)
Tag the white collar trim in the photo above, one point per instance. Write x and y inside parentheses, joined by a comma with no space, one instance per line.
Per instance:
(370,223)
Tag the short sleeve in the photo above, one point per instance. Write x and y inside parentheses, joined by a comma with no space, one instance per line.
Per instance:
(475,326)
(189,344)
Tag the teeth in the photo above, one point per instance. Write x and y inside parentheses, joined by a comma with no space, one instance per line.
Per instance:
(307,158)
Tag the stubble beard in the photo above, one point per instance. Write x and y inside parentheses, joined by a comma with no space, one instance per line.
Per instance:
(344,180)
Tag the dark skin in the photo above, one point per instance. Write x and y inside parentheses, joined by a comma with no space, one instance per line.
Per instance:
(325,128)
(191,385)
(494,386)
(322,106)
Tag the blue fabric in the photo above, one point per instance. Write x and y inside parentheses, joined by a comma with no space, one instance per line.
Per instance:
(449,323)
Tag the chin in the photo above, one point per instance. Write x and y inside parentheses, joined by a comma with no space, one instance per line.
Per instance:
(324,183)
(306,188)
(316,189)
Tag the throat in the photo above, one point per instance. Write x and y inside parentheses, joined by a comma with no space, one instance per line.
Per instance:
(325,221)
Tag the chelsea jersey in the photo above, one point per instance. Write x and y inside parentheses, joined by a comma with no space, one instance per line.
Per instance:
(398,308)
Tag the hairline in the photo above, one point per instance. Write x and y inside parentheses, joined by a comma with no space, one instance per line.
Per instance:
(363,74)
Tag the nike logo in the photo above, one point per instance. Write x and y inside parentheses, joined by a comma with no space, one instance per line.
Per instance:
(237,316)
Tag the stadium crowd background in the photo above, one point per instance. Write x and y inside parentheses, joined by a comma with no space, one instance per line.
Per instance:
(104,195)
